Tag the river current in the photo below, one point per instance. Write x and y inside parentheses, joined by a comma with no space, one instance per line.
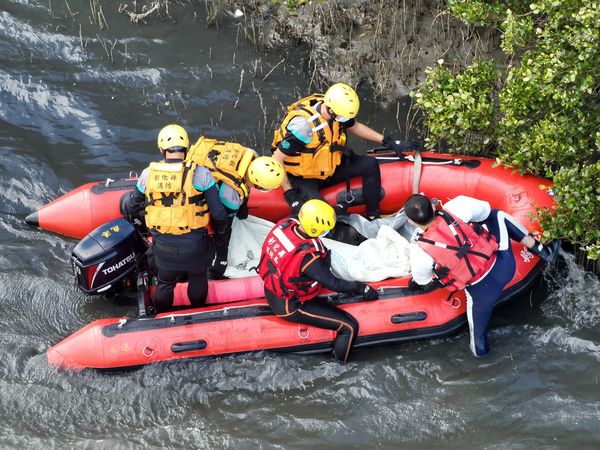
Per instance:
(80,103)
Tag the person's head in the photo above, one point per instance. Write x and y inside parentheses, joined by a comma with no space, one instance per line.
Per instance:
(316,217)
(265,173)
(342,102)
(419,210)
(173,139)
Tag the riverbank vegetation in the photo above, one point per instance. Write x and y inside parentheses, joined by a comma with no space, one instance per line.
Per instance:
(514,80)
(538,111)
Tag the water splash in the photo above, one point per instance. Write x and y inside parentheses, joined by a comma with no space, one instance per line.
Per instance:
(574,300)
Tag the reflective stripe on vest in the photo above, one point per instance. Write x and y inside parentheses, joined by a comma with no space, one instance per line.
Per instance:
(321,156)
(280,263)
(461,255)
(173,205)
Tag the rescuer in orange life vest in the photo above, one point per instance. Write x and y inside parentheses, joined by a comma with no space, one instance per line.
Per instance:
(295,265)
(451,247)
(235,170)
(311,145)
(178,198)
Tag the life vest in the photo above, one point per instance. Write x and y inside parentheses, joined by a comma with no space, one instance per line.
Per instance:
(320,157)
(173,205)
(281,258)
(461,255)
(227,161)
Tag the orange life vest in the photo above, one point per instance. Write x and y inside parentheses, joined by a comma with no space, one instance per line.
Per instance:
(280,263)
(320,157)
(173,204)
(227,161)
(461,255)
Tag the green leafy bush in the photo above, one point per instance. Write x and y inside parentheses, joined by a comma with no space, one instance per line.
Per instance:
(577,191)
(539,113)
(460,107)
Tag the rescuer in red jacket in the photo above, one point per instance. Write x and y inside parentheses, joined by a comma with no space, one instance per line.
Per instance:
(295,265)
(452,248)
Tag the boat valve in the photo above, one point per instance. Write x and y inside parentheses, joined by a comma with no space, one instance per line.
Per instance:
(122,322)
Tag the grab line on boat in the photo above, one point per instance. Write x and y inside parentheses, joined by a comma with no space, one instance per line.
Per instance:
(225,311)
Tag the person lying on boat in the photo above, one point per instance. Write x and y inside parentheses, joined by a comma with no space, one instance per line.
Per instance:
(177,198)
(294,266)
(451,247)
(236,170)
(311,145)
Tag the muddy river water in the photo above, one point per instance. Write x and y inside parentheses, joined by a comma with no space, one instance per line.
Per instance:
(79,103)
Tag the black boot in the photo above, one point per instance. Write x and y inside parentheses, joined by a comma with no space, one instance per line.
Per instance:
(341,210)
(371,216)
(546,252)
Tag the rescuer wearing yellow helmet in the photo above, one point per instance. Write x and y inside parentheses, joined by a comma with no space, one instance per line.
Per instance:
(178,198)
(311,145)
(235,170)
(295,265)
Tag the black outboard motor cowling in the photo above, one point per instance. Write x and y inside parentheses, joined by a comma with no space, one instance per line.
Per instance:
(107,258)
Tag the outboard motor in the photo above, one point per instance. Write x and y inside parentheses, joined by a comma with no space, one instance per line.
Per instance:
(107,259)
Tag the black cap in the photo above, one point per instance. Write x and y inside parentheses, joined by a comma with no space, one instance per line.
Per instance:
(33,219)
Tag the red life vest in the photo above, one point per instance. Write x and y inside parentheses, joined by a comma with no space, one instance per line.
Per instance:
(461,254)
(281,260)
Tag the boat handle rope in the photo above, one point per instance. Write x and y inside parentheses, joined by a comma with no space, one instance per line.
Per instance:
(172,317)
(450,162)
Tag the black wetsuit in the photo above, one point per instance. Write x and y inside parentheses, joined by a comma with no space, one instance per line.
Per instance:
(319,312)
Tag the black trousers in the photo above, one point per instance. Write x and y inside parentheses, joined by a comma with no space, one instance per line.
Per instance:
(322,314)
(176,263)
(352,165)
(219,250)
(167,279)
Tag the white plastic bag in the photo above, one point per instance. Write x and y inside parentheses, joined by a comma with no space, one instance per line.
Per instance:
(374,260)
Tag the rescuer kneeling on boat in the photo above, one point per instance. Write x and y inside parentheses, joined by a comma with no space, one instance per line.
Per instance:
(311,145)
(179,198)
(236,170)
(295,265)
(452,248)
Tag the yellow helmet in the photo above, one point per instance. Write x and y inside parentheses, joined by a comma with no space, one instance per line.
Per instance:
(173,137)
(342,100)
(316,217)
(265,173)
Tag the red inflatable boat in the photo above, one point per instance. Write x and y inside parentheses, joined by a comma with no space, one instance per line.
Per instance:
(237,317)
